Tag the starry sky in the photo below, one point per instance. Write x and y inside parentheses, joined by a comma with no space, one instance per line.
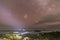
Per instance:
(32,14)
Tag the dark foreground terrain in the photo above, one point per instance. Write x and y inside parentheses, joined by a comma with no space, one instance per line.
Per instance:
(30,36)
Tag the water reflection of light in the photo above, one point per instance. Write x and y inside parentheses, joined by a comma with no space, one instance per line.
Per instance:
(24,33)
(21,33)
(16,32)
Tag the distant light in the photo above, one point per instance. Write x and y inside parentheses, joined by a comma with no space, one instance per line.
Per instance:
(46,31)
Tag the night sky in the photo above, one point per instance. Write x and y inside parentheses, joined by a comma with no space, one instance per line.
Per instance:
(34,14)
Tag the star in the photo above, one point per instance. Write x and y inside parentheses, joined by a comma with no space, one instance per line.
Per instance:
(25,16)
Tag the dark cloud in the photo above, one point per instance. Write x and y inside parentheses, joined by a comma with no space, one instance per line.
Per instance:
(55,27)
(49,18)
